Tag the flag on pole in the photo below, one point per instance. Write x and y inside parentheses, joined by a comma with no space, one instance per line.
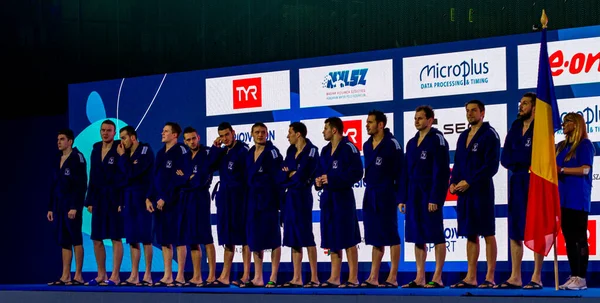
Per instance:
(543,207)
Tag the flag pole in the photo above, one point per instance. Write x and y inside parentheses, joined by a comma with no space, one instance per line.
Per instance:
(544,21)
(555,267)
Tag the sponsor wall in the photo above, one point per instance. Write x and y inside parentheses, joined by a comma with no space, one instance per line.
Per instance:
(497,71)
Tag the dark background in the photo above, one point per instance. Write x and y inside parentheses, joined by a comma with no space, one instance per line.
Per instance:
(47,44)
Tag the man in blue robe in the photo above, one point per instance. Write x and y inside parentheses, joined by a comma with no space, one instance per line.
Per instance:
(340,168)
(164,201)
(384,160)
(263,163)
(228,155)
(136,160)
(296,177)
(67,193)
(516,157)
(196,227)
(476,161)
(104,201)
(427,176)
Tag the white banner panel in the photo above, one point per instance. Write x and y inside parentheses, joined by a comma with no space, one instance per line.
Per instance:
(571,61)
(248,93)
(456,247)
(458,73)
(347,83)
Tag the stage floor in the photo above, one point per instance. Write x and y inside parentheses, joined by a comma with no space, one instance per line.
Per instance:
(43,293)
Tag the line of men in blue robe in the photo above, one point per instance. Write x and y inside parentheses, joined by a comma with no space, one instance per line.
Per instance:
(165,199)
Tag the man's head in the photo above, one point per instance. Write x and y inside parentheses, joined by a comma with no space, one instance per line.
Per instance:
(296,131)
(475,111)
(333,127)
(226,134)
(108,130)
(128,136)
(424,117)
(527,106)
(259,133)
(65,139)
(376,122)
(171,132)
(191,138)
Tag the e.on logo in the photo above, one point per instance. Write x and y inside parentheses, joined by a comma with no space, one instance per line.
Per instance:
(353,130)
(577,63)
(247,93)
(562,248)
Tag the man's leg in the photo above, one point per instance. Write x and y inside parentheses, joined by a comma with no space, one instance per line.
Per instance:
(352,253)
(246,254)
(312,260)
(181,256)
(336,267)
(395,258)
(117,251)
(275,258)
(491,253)
(148,252)
(258,268)
(516,258)
(212,263)
(227,260)
(196,253)
(100,253)
(420,257)
(297,263)
(536,277)
(78,263)
(472,256)
(136,255)
(167,251)
(440,259)
(67,256)
(376,256)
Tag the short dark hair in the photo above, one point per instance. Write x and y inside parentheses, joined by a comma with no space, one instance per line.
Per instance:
(258,124)
(335,122)
(189,130)
(129,130)
(532,96)
(379,116)
(427,110)
(299,127)
(175,128)
(109,122)
(68,133)
(224,126)
(478,103)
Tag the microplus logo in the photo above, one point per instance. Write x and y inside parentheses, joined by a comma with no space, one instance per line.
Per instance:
(247,93)
(450,74)
(465,73)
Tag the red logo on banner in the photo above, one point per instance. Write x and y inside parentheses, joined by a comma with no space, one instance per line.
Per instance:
(353,130)
(247,93)
(577,63)
(562,248)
